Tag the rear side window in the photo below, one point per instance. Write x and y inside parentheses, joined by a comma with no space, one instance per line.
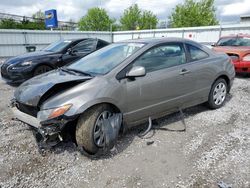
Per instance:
(101,44)
(162,57)
(196,53)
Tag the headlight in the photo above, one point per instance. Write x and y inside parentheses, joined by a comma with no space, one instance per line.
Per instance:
(246,57)
(53,113)
(26,63)
(22,64)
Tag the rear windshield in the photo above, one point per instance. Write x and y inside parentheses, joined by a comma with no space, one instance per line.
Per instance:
(57,46)
(234,41)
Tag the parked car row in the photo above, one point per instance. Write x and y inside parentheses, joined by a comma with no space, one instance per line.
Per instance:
(136,78)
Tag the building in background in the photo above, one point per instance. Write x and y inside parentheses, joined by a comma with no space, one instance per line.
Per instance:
(245,19)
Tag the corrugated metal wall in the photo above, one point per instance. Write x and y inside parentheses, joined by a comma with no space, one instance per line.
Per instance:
(205,35)
(14,42)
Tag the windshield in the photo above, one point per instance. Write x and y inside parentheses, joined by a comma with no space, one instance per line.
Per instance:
(57,46)
(104,60)
(234,41)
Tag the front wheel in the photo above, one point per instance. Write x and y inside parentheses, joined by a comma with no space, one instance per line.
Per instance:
(218,94)
(90,133)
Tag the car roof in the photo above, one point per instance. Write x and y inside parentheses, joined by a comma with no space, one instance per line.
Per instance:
(236,35)
(162,40)
(80,39)
(158,40)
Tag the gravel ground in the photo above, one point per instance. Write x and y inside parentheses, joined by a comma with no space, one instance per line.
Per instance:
(214,148)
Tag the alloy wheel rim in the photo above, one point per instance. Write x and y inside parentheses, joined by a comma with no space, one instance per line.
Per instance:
(99,135)
(219,94)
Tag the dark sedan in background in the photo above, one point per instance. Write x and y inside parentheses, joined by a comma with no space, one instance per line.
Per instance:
(57,54)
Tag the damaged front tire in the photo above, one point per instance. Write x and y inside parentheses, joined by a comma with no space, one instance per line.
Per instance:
(90,133)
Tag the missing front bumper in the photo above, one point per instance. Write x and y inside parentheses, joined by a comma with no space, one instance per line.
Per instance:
(47,133)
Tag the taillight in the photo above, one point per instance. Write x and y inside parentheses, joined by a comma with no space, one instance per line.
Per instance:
(246,57)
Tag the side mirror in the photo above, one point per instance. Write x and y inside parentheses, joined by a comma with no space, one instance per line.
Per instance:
(213,44)
(71,51)
(137,71)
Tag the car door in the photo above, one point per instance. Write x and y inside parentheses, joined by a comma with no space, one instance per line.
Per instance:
(164,86)
(80,50)
(199,65)
(85,47)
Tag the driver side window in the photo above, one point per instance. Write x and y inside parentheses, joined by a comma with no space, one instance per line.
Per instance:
(85,46)
(161,57)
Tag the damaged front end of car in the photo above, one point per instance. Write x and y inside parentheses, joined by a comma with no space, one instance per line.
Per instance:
(28,101)
(48,132)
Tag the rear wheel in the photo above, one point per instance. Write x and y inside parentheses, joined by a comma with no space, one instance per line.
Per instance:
(218,94)
(42,69)
(90,131)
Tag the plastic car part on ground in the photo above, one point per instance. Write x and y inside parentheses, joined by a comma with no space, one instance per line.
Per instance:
(111,127)
(224,185)
(150,126)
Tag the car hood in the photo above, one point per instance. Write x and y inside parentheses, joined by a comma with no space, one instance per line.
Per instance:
(240,50)
(36,90)
(28,56)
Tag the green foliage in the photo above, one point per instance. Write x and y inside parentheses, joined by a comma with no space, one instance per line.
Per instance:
(8,24)
(193,13)
(135,18)
(131,18)
(96,19)
(148,20)
(37,24)
(39,15)
(25,24)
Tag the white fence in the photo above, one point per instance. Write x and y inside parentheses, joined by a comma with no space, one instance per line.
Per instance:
(14,42)
(207,35)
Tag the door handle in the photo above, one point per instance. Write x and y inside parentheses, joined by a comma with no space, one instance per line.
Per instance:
(184,71)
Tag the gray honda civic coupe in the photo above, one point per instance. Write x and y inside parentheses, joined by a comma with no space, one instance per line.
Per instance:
(120,86)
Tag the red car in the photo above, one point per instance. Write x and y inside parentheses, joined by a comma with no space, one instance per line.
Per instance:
(238,48)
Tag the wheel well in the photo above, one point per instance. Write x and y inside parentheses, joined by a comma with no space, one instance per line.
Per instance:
(70,127)
(44,64)
(114,107)
(225,78)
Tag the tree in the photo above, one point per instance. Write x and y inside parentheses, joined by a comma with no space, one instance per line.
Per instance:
(193,13)
(135,18)
(24,24)
(148,20)
(39,15)
(8,23)
(131,18)
(96,19)
(39,20)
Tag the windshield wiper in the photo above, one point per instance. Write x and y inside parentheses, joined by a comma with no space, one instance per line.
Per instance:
(78,71)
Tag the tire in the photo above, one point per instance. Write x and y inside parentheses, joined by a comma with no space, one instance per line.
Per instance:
(218,94)
(87,126)
(42,69)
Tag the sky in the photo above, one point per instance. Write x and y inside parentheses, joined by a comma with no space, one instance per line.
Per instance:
(227,11)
